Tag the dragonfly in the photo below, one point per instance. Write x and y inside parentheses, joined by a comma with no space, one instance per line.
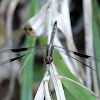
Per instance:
(49,51)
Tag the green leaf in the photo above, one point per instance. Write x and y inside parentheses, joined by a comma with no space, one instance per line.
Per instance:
(26,93)
(75,92)
(28,72)
(72,91)
(96,33)
(39,68)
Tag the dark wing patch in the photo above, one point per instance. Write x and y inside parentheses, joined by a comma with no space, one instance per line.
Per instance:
(81,55)
(19,50)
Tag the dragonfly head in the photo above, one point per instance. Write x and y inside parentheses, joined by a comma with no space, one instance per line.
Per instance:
(48,60)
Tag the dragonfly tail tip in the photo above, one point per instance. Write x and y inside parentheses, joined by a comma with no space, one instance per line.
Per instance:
(56,22)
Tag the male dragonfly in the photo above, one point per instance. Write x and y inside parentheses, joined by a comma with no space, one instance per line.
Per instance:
(49,51)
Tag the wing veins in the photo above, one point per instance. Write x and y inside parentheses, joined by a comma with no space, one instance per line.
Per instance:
(21,49)
(79,54)
(13,59)
(78,60)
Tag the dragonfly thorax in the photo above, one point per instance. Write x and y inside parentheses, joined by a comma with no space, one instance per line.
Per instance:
(48,60)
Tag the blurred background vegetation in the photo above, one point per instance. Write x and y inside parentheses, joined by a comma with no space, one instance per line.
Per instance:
(25,9)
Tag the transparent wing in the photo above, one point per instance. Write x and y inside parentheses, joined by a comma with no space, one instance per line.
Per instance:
(70,54)
(22,49)
(13,59)
(77,53)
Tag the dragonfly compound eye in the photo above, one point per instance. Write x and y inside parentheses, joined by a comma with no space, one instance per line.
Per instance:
(48,60)
(51,59)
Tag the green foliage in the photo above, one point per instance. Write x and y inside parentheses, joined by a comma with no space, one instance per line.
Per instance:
(39,68)
(96,33)
(28,71)
(72,91)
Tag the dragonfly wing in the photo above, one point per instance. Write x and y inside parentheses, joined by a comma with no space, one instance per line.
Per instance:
(13,59)
(76,53)
(70,54)
(83,63)
(22,49)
